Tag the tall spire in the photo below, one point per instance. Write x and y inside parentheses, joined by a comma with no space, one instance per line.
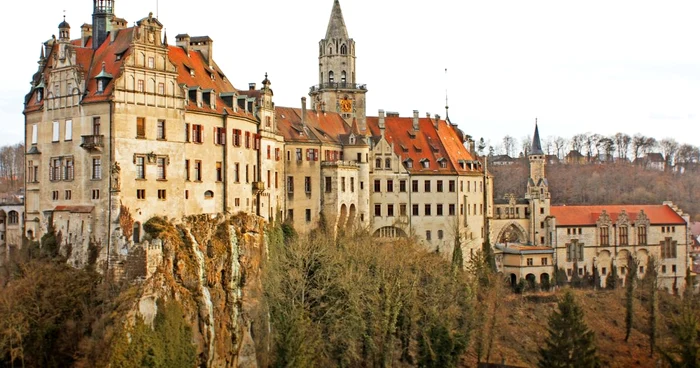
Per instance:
(336,25)
(536,148)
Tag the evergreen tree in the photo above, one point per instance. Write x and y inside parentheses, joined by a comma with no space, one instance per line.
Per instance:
(686,352)
(653,282)
(611,282)
(570,342)
(630,282)
(457,257)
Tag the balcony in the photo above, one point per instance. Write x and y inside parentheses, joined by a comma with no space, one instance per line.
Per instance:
(339,85)
(258,187)
(91,142)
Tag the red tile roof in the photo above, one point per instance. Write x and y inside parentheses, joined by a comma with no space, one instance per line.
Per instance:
(320,127)
(90,62)
(588,215)
(428,142)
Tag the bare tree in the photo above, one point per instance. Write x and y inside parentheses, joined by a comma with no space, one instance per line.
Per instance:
(548,145)
(560,144)
(669,148)
(622,141)
(589,143)
(608,147)
(509,144)
(638,144)
(577,142)
(526,144)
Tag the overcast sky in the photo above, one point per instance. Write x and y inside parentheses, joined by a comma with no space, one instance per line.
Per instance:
(598,66)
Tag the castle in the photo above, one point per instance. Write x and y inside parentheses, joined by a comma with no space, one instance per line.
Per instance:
(120,123)
(122,126)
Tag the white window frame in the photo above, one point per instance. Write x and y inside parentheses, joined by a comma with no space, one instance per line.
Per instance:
(69,130)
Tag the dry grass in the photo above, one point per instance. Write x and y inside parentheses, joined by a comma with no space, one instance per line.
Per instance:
(522,328)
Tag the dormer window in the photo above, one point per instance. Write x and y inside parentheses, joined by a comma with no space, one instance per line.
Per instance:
(425,163)
(39,94)
(192,73)
(409,163)
(100,86)
(443,163)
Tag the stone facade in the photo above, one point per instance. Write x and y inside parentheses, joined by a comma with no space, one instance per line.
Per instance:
(11,226)
(587,240)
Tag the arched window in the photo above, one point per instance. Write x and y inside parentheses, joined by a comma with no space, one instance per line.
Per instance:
(387,163)
(137,232)
(343,49)
(330,77)
(13,218)
(378,163)
(343,77)
(330,49)
(208,194)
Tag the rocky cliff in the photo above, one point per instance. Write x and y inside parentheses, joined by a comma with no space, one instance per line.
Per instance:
(210,266)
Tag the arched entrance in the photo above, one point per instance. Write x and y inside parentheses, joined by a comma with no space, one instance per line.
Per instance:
(137,232)
(513,280)
(531,280)
(513,233)
(544,281)
(343,216)
(351,216)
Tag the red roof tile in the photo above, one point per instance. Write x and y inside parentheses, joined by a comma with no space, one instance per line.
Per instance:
(426,143)
(588,215)
(320,127)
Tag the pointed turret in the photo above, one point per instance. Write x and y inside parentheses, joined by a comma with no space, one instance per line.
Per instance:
(536,148)
(336,25)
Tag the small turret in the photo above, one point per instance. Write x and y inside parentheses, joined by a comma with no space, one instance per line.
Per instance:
(64,31)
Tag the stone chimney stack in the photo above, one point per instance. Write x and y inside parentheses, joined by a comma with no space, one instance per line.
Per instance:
(183,40)
(303,111)
(205,45)
(85,33)
(382,125)
(415,119)
(437,121)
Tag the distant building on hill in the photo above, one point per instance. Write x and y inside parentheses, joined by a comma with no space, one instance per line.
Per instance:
(533,239)
(652,161)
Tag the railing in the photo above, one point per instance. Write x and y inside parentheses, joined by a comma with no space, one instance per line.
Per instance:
(339,85)
(92,141)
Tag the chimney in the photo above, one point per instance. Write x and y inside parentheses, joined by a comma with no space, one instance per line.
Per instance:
(381,122)
(472,146)
(437,121)
(251,86)
(303,111)
(183,40)
(205,45)
(85,32)
(415,119)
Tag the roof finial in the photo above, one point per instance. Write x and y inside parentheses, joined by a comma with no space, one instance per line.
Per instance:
(447,105)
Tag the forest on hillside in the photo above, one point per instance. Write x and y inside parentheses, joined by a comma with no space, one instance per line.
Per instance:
(610,183)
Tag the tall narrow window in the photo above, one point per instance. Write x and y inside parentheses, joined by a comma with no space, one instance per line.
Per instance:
(55,132)
(624,236)
(307,184)
(219,173)
(330,77)
(642,235)
(187,170)
(140,85)
(96,125)
(140,167)
(198,170)
(604,235)
(69,131)
(343,77)
(160,163)
(140,127)
(35,133)
(96,168)
(68,169)
(160,131)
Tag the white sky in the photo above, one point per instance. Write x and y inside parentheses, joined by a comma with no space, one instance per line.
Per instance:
(598,66)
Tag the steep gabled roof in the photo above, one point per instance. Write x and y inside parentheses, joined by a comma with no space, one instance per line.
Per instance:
(428,142)
(317,127)
(588,215)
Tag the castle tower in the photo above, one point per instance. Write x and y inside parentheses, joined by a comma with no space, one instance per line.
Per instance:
(337,89)
(538,192)
(64,31)
(102,14)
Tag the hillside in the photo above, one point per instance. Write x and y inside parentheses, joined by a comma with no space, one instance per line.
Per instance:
(605,184)
(521,328)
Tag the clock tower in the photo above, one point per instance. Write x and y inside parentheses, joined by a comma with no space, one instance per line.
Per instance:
(337,89)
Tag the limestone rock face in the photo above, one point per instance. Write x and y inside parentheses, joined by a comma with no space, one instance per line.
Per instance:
(212,265)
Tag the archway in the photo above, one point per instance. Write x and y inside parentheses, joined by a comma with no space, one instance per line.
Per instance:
(513,233)
(531,280)
(343,216)
(513,280)
(544,281)
(351,216)
(137,232)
